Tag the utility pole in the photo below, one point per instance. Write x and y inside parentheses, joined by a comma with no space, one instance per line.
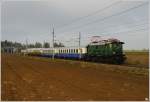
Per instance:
(80,45)
(53,41)
(79,39)
(27,45)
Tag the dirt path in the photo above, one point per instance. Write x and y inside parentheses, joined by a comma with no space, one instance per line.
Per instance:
(24,78)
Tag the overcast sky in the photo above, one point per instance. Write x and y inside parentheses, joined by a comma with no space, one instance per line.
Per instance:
(33,20)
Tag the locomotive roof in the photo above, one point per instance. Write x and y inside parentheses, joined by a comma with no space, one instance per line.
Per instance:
(103,42)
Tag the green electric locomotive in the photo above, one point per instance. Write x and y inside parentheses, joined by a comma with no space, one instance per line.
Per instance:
(109,51)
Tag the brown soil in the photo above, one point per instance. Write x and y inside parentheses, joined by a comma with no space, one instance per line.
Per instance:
(26,78)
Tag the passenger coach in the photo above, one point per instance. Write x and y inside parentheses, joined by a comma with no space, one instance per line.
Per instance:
(61,52)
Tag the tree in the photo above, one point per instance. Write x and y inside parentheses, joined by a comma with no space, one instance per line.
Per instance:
(58,44)
(46,45)
(31,46)
(38,45)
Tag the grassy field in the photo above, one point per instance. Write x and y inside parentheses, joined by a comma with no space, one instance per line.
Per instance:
(140,59)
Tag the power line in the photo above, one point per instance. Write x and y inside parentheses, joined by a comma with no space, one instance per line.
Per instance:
(114,26)
(139,25)
(125,31)
(102,19)
(123,24)
(116,33)
(91,14)
(107,34)
(53,41)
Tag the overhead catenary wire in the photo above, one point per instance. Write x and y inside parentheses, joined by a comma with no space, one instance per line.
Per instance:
(103,19)
(115,26)
(108,34)
(86,16)
(129,32)
(138,25)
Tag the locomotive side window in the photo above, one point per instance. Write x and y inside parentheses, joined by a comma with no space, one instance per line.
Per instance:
(110,45)
(96,47)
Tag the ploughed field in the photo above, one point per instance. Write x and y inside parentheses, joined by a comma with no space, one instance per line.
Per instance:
(34,78)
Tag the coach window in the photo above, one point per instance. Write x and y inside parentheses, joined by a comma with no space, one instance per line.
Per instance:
(72,50)
(76,50)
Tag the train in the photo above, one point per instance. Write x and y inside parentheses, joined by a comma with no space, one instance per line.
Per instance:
(105,51)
